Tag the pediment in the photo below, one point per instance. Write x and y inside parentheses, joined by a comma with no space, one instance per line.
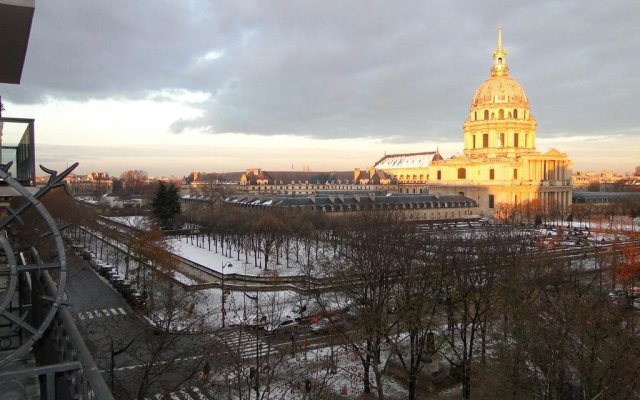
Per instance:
(555,153)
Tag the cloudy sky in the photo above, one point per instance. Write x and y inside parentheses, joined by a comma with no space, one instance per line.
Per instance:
(213,85)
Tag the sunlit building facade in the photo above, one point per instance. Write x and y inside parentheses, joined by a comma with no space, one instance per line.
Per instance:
(500,164)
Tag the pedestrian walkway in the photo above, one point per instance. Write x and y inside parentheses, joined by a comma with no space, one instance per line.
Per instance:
(101,313)
(192,393)
(242,344)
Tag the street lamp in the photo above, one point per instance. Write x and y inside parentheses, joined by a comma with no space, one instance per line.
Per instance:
(224,297)
(244,298)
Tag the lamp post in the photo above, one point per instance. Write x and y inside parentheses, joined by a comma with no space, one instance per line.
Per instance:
(244,298)
(224,297)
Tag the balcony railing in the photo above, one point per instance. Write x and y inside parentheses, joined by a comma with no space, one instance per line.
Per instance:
(17,145)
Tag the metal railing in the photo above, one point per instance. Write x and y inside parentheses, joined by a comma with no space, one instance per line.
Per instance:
(65,368)
(17,145)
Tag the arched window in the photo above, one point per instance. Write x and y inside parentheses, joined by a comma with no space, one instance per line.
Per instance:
(486,115)
(462,173)
(501,114)
(515,113)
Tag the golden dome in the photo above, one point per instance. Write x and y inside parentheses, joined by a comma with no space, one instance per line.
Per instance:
(498,91)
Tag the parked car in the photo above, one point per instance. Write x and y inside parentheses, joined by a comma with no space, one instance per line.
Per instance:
(617,293)
(325,325)
(636,303)
(123,285)
(133,297)
(86,254)
(281,325)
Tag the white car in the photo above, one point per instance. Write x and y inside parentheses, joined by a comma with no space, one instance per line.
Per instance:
(281,325)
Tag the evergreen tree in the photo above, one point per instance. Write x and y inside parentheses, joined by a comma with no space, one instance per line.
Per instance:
(166,205)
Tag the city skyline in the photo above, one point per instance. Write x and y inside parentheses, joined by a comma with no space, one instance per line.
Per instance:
(233,86)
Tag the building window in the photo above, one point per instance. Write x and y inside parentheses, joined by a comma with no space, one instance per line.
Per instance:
(439,175)
(515,140)
(515,173)
(474,141)
(515,113)
(462,173)
(491,200)
(501,139)
(501,114)
(492,174)
(485,140)
(486,115)
(475,115)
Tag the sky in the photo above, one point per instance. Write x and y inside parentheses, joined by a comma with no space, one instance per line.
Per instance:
(172,87)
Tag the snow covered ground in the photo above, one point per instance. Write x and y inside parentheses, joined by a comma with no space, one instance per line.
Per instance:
(219,262)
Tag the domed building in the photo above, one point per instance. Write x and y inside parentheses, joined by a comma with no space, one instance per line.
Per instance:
(500,165)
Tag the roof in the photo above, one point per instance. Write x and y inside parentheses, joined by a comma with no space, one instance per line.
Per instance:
(352,198)
(15,28)
(407,160)
(288,177)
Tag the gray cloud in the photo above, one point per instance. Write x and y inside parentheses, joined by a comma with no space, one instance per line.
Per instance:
(341,69)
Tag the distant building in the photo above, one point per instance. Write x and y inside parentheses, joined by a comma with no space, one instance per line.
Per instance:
(256,176)
(94,183)
(411,168)
(419,207)
(599,181)
(500,163)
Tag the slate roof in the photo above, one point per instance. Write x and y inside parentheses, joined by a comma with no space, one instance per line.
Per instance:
(352,200)
(407,160)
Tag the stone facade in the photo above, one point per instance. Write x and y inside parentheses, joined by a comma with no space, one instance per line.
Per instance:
(500,162)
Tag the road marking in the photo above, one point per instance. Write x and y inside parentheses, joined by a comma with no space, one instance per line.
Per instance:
(185,394)
(174,396)
(89,314)
(97,313)
(113,311)
(121,310)
(80,315)
(106,312)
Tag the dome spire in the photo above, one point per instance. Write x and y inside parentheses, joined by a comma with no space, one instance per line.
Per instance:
(499,57)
